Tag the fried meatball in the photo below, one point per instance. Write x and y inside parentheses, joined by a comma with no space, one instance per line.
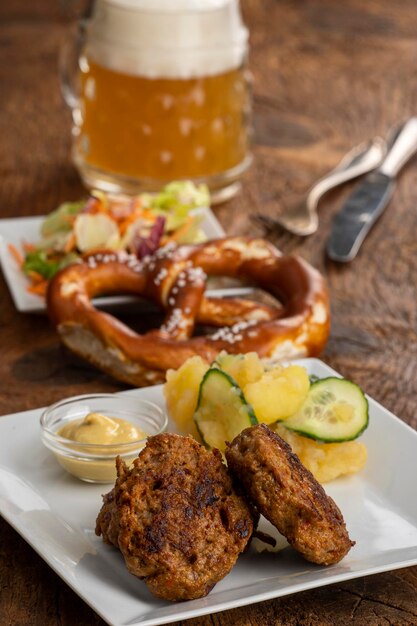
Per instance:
(176,517)
(288,495)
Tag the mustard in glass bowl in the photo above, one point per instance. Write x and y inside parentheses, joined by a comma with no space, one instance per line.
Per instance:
(86,433)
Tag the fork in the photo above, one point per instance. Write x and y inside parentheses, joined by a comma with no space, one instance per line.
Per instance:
(301,219)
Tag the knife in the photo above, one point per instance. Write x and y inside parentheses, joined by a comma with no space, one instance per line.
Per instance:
(371,196)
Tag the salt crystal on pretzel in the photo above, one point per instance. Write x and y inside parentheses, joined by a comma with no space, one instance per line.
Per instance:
(174,278)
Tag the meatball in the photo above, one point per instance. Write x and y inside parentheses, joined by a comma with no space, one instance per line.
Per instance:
(176,517)
(288,495)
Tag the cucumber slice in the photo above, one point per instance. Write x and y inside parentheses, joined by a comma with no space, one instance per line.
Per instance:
(225,360)
(222,411)
(335,410)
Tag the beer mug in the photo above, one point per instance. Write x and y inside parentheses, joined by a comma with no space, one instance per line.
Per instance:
(163,94)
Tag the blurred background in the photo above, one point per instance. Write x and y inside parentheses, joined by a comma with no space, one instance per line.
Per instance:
(325,76)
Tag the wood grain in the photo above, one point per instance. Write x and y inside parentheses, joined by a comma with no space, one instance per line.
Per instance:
(326,76)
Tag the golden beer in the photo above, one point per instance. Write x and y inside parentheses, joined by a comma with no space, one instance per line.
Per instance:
(161,128)
(163,95)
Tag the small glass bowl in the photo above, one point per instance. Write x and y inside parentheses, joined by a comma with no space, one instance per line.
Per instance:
(95,463)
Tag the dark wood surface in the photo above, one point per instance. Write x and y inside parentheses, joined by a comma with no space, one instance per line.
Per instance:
(327,75)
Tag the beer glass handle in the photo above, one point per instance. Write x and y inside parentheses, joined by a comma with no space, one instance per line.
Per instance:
(70,54)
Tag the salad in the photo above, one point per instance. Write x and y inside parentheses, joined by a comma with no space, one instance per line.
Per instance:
(137,224)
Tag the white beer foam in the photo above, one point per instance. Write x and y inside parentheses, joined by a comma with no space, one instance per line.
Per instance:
(167,38)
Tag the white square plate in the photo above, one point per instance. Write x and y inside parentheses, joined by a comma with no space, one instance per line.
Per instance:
(27,229)
(56,514)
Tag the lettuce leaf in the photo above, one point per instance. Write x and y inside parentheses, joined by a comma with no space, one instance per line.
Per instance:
(37,261)
(175,202)
(182,194)
(60,220)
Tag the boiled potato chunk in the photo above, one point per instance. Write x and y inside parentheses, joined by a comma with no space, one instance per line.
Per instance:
(181,393)
(326,461)
(279,393)
(243,368)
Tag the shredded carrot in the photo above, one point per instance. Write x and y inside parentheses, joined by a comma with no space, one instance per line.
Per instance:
(39,289)
(126,222)
(70,243)
(148,214)
(35,277)
(93,205)
(28,247)
(16,254)
(136,204)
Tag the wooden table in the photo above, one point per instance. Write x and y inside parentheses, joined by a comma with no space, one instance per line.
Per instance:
(327,75)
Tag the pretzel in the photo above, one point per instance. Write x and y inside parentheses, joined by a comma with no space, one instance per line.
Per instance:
(174,278)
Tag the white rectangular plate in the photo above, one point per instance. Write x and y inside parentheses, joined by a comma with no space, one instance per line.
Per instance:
(17,230)
(56,514)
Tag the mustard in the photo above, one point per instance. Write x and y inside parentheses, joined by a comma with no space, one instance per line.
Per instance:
(96,429)
(99,429)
